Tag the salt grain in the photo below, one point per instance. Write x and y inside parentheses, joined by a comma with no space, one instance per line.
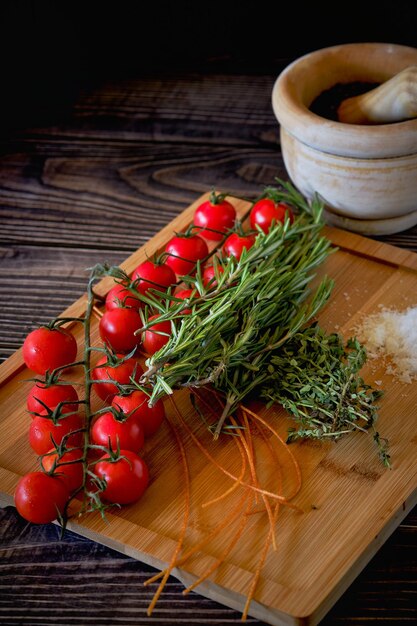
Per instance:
(393,334)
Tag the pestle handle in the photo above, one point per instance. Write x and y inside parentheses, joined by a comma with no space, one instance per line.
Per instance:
(393,101)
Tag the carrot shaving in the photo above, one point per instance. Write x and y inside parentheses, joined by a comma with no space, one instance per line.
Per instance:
(187,497)
(274,456)
(267,543)
(201,447)
(236,484)
(259,567)
(248,444)
(224,554)
(196,547)
(249,451)
(243,469)
(285,446)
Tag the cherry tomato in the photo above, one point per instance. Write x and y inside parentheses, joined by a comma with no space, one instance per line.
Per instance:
(117,328)
(120,295)
(266,211)
(51,396)
(122,373)
(42,430)
(216,216)
(71,473)
(127,434)
(184,252)
(126,478)
(39,496)
(235,244)
(152,275)
(152,340)
(46,349)
(185,294)
(209,276)
(137,404)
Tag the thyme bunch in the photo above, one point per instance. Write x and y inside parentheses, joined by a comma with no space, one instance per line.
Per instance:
(315,377)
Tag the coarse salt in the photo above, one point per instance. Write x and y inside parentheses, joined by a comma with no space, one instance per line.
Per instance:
(392,334)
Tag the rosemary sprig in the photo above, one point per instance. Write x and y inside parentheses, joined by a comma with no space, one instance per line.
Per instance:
(259,303)
(255,332)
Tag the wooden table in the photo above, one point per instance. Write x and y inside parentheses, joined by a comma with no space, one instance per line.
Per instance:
(91,179)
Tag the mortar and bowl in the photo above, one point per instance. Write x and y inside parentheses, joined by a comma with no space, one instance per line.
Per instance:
(364,167)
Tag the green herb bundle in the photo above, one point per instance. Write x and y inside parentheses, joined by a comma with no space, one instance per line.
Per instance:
(255,333)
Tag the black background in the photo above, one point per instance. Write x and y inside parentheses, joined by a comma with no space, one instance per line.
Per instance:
(51,49)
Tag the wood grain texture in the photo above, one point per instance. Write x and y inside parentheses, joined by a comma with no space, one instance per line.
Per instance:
(146,162)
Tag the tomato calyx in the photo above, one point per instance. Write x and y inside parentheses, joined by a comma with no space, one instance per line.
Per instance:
(217,198)
(51,379)
(118,414)
(111,455)
(57,322)
(59,451)
(240,230)
(56,414)
(113,358)
(186,234)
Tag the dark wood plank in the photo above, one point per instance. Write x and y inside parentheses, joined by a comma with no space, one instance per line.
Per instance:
(193,108)
(48,580)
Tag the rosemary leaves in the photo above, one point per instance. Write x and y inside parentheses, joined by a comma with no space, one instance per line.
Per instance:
(254,332)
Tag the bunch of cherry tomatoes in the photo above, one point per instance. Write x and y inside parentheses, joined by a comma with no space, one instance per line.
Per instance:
(103,455)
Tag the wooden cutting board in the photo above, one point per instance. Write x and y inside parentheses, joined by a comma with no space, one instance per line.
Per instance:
(350,504)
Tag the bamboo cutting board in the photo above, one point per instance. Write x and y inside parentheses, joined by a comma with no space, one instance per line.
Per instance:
(350,504)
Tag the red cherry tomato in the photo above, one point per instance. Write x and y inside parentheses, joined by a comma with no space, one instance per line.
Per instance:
(117,328)
(151,275)
(212,216)
(185,294)
(126,479)
(128,434)
(184,252)
(71,473)
(43,432)
(209,276)
(152,339)
(122,373)
(266,211)
(38,497)
(46,349)
(51,396)
(119,296)
(137,404)
(235,244)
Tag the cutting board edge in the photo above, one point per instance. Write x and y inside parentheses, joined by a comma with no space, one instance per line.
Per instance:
(317,614)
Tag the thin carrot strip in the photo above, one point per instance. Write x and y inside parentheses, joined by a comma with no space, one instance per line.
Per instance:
(274,456)
(224,554)
(249,452)
(251,460)
(286,447)
(230,475)
(261,561)
(243,470)
(257,574)
(217,529)
(184,526)
(236,484)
